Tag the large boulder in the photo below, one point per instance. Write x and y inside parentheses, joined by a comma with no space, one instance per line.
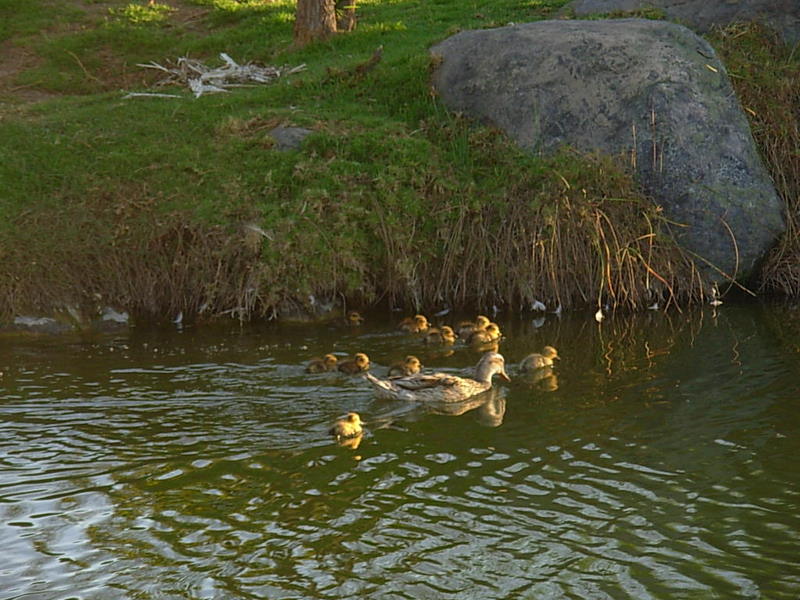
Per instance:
(650,91)
(701,15)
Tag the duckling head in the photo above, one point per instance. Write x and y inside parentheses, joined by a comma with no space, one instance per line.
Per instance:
(354,318)
(412,364)
(493,329)
(421,322)
(551,353)
(362,360)
(330,360)
(481,322)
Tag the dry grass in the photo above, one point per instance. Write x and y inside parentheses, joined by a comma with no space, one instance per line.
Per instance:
(573,235)
(766,76)
(131,255)
(586,238)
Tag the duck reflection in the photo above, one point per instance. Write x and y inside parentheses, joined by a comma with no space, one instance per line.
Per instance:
(488,409)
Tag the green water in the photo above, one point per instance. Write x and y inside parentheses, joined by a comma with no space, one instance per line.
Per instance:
(660,461)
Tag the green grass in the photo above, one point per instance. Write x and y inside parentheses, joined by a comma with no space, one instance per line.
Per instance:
(144,202)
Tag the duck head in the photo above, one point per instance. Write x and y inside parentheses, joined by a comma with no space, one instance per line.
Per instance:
(491,364)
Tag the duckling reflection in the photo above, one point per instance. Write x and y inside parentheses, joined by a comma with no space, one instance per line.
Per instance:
(358,364)
(549,383)
(350,442)
(543,378)
(322,365)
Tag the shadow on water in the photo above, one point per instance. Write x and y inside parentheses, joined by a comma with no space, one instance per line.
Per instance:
(655,460)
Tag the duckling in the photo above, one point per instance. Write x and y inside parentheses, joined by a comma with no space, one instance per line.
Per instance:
(415,324)
(354,317)
(408,366)
(321,365)
(467,328)
(539,361)
(441,335)
(487,335)
(358,364)
(347,427)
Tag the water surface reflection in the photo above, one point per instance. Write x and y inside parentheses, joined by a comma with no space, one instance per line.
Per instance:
(655,461)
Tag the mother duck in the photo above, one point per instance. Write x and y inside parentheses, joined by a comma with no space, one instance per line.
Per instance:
(441,387)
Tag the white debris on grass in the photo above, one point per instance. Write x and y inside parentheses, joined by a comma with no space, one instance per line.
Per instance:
(202,79)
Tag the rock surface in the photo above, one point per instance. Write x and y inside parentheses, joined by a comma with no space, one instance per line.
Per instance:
(701,15)
(650,91)
(289,138)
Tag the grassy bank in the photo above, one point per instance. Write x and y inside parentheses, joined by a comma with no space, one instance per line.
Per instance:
(167,205)
(766,76)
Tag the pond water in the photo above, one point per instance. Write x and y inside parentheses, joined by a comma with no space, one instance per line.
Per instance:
(659,461)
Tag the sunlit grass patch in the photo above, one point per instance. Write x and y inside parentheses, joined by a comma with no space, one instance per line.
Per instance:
(139,14)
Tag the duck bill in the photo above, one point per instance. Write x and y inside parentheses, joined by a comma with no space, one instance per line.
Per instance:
(503,375)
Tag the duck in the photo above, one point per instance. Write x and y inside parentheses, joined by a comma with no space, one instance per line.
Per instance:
(536,361)
(354,317)
(348,426)
(358,364)
(415,324)
(441,387)
(467,328)
(322,365)
(440,335)
(487,335)
(408,366)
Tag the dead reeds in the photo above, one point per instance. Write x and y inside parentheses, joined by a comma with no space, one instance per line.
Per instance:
(568,232)
(766,76)
(572,253)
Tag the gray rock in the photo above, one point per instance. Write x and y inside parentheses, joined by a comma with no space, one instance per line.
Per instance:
(651,91)
(289,138)
(47,325)
(701,15)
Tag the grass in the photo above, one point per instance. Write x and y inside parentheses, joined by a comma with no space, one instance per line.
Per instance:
(156,205)
(766,76)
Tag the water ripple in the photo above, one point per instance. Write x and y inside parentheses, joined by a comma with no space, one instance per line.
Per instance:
(205,471)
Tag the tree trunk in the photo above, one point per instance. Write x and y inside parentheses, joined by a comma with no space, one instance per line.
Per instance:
(314,20)
(346,15)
